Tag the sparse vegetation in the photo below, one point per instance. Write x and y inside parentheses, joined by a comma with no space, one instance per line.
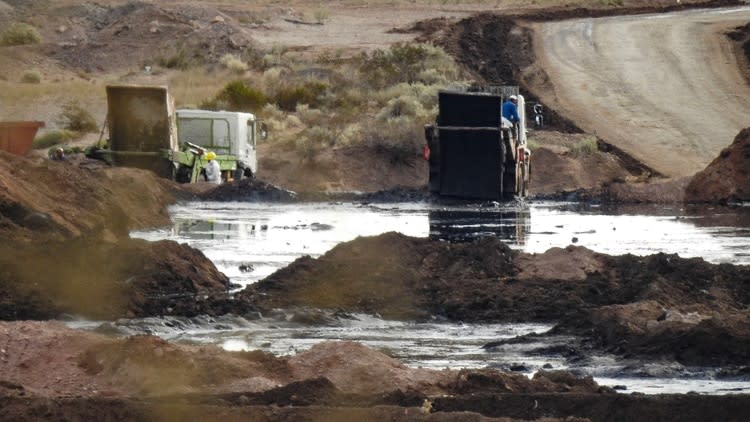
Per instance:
(237,96)
(409,63)
(19,33)
(233,63)
(399,140)
(586,146)
(51,138)
(381,99)
(309,93)
(75,118)
(321,15)
(31,77)
(182,60)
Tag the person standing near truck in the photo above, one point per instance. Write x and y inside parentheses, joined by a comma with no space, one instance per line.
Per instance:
(510,109)
(213,172)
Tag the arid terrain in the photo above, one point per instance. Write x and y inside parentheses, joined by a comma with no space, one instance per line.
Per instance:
(645,110)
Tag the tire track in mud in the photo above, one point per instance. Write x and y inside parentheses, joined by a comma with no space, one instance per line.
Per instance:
(666,89)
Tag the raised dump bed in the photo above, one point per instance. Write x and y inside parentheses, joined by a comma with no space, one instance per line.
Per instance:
(17,137)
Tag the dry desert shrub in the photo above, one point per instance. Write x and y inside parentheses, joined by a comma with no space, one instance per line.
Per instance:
(407,62)
(19,33)
(31,77)
(233,63)
(399,139)
(53,137)
(381,99)
(74,117)
(586,146)
(403,106)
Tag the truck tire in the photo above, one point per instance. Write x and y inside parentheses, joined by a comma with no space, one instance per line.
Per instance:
(183,174)
(239,172)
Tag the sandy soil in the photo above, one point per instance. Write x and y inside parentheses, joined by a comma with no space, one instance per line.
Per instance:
(672,104)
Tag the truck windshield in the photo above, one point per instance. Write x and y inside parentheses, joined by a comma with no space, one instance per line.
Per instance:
(212,133)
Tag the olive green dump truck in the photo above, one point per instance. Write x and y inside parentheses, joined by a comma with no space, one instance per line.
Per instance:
(146,131)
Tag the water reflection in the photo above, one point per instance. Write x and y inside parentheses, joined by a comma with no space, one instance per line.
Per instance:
(250,241)
(511,225)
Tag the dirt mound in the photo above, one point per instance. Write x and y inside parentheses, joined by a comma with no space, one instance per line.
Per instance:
(50,360)
(67,250)
(97,279)
(401,277)
(727,178)
(696,336)
(248,190)
(78,197)
(52,372)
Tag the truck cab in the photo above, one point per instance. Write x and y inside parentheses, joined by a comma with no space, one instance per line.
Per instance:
(224,132)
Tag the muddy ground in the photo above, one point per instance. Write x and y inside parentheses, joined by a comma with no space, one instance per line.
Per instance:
(66,252)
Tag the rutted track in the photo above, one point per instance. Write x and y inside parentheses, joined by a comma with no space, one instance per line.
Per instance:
(666,89)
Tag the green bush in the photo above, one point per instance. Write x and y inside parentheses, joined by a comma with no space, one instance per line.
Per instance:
(233,63)
(51,138)
(31,77)
(20,33)
(241,97)
(407,62)
(403,106)
(321,15)
(400,140)
(181,60)
(75,118)
(289,97)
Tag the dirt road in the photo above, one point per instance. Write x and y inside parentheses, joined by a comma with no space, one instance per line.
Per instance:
(664,88)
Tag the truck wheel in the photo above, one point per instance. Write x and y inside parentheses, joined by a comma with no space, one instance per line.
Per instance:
(183,174)
(239,172)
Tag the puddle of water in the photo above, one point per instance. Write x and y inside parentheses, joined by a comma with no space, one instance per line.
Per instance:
(249,241)
(433,345)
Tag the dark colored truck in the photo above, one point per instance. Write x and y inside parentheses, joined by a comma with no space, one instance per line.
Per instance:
(472,153)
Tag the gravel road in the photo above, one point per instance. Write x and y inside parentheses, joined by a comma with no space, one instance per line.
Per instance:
(664,88)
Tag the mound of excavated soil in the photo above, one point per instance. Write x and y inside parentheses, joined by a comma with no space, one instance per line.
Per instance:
(727,178)
(77,198)
(51,372)
(52,361)
(248,190)
(402,277)
(66,249)
(97,279)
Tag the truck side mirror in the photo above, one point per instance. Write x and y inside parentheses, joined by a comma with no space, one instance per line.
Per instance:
(263,131)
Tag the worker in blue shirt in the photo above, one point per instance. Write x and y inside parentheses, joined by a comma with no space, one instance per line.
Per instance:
(510,109)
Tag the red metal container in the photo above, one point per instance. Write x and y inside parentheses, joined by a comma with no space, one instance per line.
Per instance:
(16,137)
